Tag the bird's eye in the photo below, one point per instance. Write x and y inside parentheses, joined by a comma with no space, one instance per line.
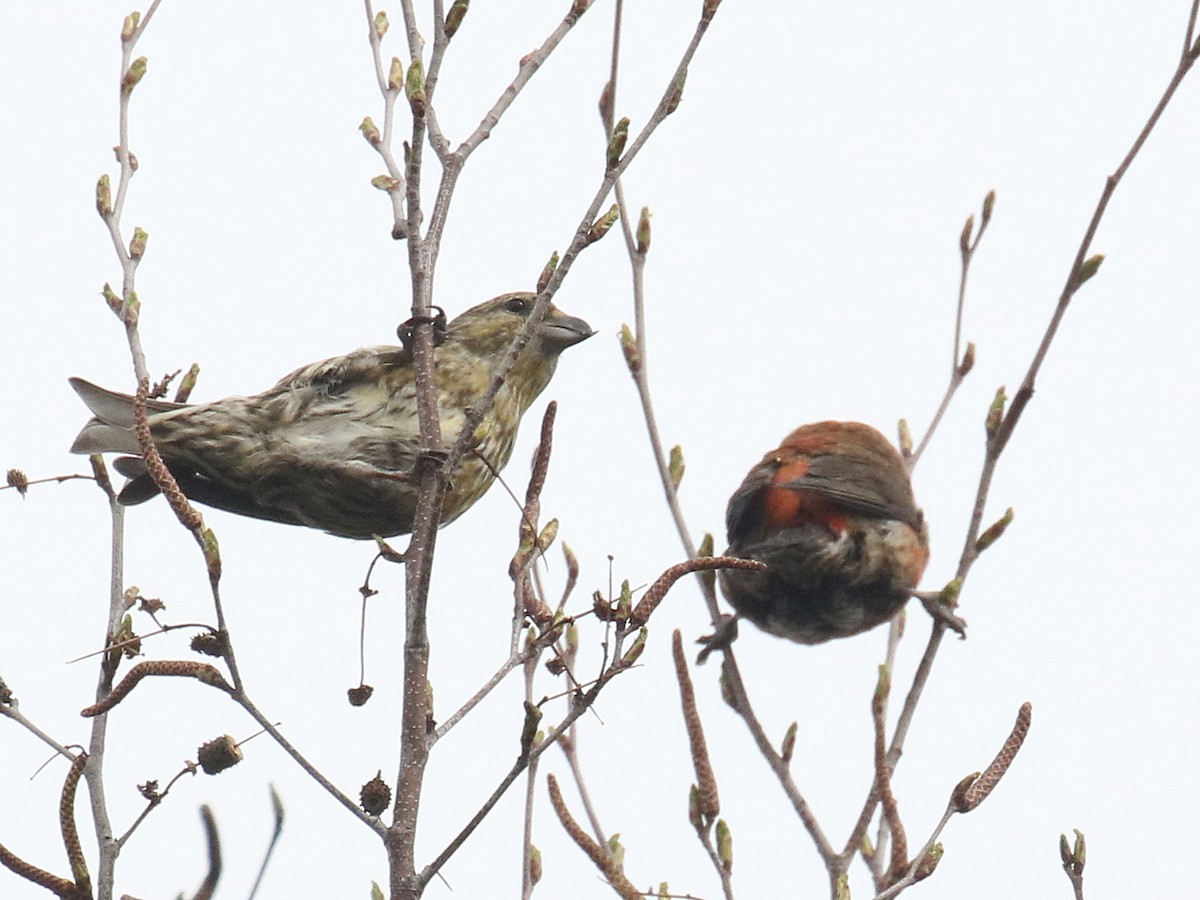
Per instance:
(517,305)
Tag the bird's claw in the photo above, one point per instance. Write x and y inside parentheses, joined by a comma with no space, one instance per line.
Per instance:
(406,329)
(941,612)
(725,632)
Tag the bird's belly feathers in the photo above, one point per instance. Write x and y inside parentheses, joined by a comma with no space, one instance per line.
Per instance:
(820,585)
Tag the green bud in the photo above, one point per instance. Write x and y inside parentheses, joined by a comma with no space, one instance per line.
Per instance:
(929,862)
(533,715)
(625,602)
(994,531)
(385,183)
(212,553)
(370,131)
(630,656)
(104,196)
(948,596)
(395,74)
(695,816)
(643,231)
(131,309)
(604,224)
(995,414)
(1073,858)
(1086,270)
(114,302)
(633,357)
(547,536)
(883,684)
(725,845)
(547,272)
(616,142)
(535,862)
(676,467)
(989,203)
(789,744)
(455,16)
(137,245)
(134,74)
(616,850)
(968,360)
(414,87)
(130,26)
(381,24)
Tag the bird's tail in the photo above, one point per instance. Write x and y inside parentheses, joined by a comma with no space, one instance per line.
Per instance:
(111,429)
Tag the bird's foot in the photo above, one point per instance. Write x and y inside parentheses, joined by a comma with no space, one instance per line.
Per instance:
(941,611)
(406,329)
(725,632)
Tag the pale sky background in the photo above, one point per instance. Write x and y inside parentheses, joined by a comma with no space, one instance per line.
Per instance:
(807,198)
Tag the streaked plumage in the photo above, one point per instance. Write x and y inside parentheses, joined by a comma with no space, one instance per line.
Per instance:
(331,445)
(831,512)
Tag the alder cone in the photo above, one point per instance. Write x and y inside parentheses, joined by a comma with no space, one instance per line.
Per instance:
(831,513)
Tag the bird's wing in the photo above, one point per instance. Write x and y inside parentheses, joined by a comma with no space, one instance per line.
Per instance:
(200,489)
(859,485)
(339,373)
(744,512)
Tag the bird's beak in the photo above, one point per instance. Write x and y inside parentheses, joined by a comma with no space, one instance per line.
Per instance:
(559,331)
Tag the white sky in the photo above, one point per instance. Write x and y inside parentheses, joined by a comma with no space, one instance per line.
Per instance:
(807,199)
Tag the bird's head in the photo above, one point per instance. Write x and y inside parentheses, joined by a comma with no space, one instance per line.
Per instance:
(488,329)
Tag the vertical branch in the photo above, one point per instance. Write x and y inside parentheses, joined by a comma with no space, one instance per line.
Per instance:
(110,207)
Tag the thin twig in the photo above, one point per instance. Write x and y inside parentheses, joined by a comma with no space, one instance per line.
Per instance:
(960,363)
(12,711)
(383,144)
(56,479)
(153,804)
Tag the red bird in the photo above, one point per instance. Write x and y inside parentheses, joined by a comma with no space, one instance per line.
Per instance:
(831,512)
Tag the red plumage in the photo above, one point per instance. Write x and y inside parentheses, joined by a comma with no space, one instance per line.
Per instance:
(831,513)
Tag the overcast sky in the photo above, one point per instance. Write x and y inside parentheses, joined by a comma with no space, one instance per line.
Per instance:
(807,198)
